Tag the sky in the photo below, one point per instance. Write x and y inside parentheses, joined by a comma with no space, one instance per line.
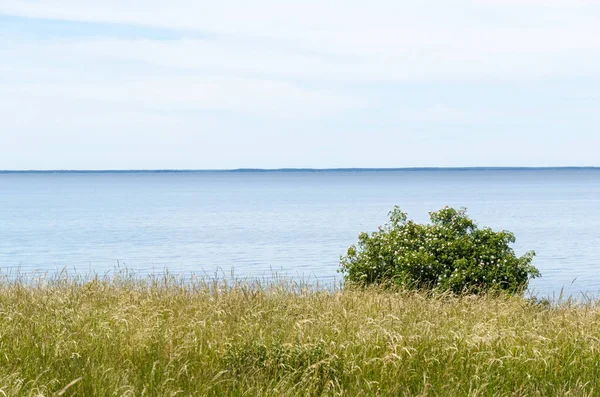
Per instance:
(191,84)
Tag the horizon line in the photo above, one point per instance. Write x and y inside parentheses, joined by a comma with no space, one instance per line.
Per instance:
(342,169)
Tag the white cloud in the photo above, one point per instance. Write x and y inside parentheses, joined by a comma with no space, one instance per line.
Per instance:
(274,16)
(346,40)
(254,96)
(291,64)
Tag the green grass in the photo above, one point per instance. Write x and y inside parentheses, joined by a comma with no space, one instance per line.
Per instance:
(164,337)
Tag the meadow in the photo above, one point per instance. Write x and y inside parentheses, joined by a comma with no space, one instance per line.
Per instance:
(167,336)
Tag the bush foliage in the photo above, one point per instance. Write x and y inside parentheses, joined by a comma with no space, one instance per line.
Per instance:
(451,253)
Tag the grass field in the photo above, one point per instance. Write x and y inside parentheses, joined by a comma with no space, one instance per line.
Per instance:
(161,336)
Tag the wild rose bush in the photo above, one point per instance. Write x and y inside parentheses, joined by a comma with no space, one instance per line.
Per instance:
(451,253)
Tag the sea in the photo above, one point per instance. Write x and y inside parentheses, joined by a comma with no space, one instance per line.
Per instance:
(264,224)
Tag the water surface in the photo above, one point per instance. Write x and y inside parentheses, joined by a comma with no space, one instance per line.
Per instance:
(296,223)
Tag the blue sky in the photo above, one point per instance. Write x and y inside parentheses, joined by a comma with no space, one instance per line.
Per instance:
(272,84)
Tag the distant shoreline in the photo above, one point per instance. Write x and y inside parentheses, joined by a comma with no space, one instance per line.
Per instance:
(298,170)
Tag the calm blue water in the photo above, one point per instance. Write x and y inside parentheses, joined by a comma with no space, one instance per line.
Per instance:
(297,223)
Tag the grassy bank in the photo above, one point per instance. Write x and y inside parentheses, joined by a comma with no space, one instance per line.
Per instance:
(163,337)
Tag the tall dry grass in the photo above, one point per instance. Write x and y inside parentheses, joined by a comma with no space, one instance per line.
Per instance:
(165,336)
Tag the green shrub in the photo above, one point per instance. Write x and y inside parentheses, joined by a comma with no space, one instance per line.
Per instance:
(451,253)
